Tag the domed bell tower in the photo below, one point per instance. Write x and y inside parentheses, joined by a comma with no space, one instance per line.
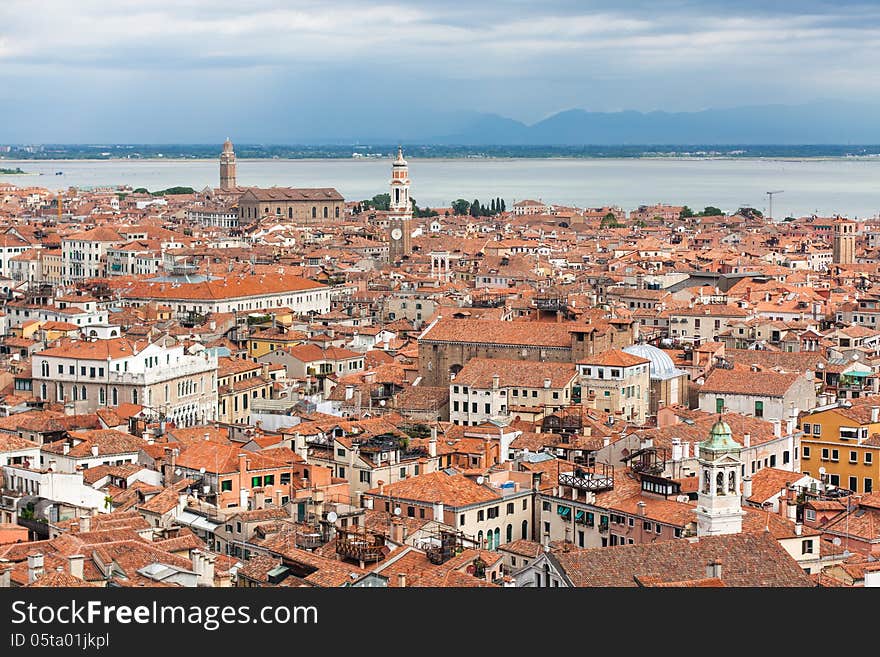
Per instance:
(400,214)
(719,510)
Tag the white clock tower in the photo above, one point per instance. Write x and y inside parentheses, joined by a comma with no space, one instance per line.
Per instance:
(400,214)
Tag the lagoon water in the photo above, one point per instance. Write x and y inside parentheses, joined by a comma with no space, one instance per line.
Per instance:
(847,186)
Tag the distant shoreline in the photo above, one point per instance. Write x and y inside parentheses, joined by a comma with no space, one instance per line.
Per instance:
(22,155)
(452,158)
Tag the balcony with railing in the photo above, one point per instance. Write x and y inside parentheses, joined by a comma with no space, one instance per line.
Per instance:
(594,479)
(309,541)
(360,545)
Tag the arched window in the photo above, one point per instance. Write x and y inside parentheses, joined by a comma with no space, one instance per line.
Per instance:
(480,539)
(719,489)
(166,392)
(44,368)
(83,393)
(490,540)
(134,396)
(497,537)
(525,530)
(43,391)
(102,396)
(114,396)
(325,212)
(290,212)
(61,392)
(337,212)
(314,212)
(75,394)
(509,533)
(707,484)
(731,486)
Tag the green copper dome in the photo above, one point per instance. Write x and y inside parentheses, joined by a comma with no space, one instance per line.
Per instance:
(720,438)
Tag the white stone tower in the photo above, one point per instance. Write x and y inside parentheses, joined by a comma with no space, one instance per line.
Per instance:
(719,510)
(400,215)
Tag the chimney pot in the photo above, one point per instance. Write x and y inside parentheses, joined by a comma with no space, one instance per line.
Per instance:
(75,563)
(35,567)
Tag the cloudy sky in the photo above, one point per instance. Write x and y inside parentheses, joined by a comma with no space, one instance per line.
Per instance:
(271,70)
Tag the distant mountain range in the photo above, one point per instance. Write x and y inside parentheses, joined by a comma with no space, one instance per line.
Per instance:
(815,123)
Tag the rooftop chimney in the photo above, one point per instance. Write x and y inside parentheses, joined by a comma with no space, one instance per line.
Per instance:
(875,414)
(676,449)
(85,524)
(713,569)
(747,440)
(642,507)
(798,528)
(547,383)
(401,580)
(496,381)
(438,511)
(777,428)
(94,450)
(397,531)
(75,562)
(747,488)
(35,567)
(432,443)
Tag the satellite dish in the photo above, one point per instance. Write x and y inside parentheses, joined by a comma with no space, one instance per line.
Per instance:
(836,540)
(332,516)
(480,480)
(201,471)
(177,472)
(397,511)
(822,470)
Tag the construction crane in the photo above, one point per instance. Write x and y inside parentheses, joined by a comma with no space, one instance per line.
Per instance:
(770,195)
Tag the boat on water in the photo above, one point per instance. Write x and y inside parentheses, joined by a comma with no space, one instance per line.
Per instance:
(59,173)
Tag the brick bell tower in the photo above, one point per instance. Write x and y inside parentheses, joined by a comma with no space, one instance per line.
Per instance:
(227,166)
(400,215)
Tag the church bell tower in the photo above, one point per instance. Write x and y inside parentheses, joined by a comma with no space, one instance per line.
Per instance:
(400,214)
(227,166)
(719,509)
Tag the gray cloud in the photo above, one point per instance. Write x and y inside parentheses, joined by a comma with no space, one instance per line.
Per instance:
(319,66)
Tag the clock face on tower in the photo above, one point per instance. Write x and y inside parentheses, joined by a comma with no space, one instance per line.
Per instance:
(396,234)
